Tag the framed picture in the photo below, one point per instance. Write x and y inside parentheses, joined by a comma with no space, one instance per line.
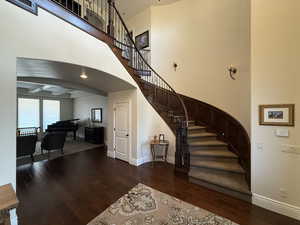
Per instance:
(96,115)
(142,40)
(277,115)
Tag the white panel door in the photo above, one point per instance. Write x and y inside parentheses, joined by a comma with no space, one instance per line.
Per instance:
(121,131)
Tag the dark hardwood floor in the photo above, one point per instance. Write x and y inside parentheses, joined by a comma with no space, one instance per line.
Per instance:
(74,189)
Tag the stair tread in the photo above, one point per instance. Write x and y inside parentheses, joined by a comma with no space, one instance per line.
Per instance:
(195,127)
(208,143)
(232,183)
(203,134)
(214,153)
(225,166)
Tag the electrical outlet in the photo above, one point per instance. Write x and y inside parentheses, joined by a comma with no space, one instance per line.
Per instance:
(260,146)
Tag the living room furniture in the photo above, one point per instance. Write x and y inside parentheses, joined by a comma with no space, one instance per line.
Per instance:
(94,135)
(8,201)
(64,126)
(26,145)
(53,141)
(159,150)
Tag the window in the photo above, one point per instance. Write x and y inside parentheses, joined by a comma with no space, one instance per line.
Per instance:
(28,112)
(51,112)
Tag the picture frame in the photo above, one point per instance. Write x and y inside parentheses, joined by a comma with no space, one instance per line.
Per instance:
(142,40)
(277,115)
(96,115)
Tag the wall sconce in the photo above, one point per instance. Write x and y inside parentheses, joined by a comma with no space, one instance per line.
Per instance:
(232,71)
(175,65)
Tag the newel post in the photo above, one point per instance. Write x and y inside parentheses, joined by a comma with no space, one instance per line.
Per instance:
(182,155)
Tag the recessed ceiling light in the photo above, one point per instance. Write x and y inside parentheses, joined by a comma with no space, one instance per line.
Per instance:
(83,76)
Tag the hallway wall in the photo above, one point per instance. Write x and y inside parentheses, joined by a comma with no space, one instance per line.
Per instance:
(275,80)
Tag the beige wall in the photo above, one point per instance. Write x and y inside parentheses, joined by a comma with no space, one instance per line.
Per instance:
(204,37)
(82,110)
(140,22)
(275,80)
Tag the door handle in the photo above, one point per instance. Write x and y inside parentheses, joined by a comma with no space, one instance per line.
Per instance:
(127,135)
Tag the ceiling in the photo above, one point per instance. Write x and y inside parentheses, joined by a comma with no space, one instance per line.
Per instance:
(130,8)
(37,88)
(58,77)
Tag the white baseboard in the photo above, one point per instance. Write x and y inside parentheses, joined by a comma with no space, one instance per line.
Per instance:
(171,159)
(276,206)
(148,158)
(139,161)
(111,154)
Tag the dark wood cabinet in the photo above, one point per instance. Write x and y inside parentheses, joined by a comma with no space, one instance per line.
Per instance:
(94,135)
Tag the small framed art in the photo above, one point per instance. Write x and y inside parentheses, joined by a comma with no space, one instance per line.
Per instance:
(277,115)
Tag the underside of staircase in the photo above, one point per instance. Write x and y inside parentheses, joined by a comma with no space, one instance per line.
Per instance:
(212,148)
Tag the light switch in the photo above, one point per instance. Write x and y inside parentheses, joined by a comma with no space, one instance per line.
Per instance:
(282,133)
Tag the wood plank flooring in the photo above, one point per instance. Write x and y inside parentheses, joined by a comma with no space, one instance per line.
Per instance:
(74,189)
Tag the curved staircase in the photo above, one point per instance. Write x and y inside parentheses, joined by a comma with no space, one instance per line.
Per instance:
(212,147)
(212,164)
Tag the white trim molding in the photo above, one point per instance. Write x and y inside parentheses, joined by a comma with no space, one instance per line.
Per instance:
(148,158)
(111,154)
(276,206)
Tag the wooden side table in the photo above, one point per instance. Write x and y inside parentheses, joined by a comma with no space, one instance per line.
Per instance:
(162,144)
(8,201)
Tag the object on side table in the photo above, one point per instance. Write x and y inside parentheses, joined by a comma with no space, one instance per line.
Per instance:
(159,150)
(8,201)
(94,135)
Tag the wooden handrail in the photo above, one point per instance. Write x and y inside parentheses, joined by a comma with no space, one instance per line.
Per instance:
(145,61)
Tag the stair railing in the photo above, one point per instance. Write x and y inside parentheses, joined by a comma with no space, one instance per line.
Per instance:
(104,16)
(162,93)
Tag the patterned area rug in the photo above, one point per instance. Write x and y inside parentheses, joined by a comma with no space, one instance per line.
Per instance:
(146,206)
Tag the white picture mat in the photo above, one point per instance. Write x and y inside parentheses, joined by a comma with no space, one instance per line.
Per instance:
(285,115)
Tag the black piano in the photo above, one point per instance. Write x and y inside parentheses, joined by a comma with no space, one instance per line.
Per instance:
(65,125)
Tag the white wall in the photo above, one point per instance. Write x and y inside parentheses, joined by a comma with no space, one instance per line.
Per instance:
(204,37)
(275,80)
(129,96)
(144,125)
(82,111)
(148,127)
(50,38)
(140,23)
